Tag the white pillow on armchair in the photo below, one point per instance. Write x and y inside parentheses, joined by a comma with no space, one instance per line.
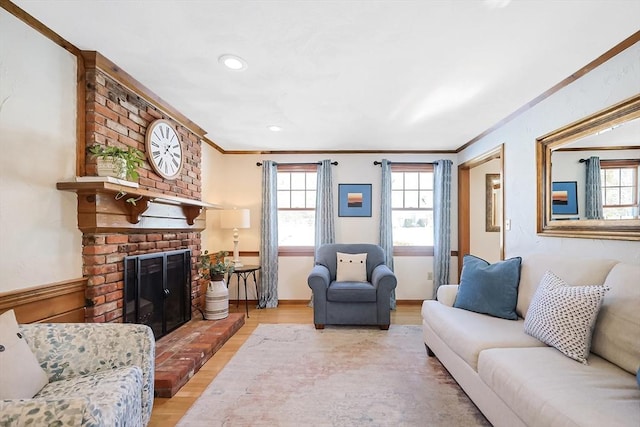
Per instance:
(351,267)
(21,376)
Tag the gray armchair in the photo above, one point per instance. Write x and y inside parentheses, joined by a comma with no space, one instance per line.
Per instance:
(351,303)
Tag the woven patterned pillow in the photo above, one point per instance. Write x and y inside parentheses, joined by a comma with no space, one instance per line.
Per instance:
(563,316)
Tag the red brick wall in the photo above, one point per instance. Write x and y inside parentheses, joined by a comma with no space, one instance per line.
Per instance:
(116,116)
(103,263)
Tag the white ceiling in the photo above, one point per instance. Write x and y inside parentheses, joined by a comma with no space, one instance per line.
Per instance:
(345,75)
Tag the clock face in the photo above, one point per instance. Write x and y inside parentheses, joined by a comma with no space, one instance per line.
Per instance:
(164,149)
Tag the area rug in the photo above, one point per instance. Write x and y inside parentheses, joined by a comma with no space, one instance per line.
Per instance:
(294,375)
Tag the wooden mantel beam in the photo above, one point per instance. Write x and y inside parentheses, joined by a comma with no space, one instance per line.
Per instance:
(107,207)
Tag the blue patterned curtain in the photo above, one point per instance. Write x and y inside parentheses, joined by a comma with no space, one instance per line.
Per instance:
(269,237)
(325,223)
(593,191)
(386,225)
(441,223)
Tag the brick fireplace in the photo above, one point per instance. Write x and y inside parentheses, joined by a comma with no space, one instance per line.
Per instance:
(103,258)
(169,217)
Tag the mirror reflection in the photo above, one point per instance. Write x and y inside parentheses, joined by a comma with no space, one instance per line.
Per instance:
(588,174)
(598,175)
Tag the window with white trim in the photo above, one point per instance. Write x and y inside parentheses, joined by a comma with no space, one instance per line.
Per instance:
(619,180)
(296,205)
(412,205)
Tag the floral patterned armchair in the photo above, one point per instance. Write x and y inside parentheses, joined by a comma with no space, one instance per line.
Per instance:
(99,375)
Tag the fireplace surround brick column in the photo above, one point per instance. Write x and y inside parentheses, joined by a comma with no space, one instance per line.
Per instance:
(117,116)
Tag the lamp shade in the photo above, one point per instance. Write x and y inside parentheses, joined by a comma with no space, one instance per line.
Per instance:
(235,218)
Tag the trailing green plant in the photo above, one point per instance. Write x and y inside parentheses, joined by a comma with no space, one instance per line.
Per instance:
(133,158)
(133,200)
(212,265)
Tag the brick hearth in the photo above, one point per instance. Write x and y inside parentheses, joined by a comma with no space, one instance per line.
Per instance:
(180,354)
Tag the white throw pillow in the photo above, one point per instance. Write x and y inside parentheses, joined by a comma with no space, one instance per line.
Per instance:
(563,316)
(21,376)
(351,267)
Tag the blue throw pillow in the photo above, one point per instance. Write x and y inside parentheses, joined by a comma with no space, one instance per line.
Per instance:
(638,377)
(489,288)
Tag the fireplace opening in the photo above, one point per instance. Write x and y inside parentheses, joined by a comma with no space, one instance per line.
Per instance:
(157,290)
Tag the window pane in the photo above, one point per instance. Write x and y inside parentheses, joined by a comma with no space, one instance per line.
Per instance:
(298,199)
(426,181)
(412,202)
(612,196)
(618,213)
(626,195)
(283,199)
(312,180)
(411,199)
(297,181)
(612,177)
(412,228)
(426,199)
(397,199)
(411,180)
(296,228)
(311,199)
(284,180)
(626,177)
(397,181)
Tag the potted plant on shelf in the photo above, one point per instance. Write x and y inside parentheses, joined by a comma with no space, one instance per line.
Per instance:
(122,163)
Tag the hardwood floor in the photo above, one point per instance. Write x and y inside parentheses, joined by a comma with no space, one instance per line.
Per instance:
(167,412)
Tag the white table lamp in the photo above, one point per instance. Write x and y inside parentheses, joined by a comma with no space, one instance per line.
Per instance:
(234,219)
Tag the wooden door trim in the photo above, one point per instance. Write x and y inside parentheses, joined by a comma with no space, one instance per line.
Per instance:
(464,201)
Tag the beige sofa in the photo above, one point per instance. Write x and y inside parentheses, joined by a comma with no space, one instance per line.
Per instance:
(516,380)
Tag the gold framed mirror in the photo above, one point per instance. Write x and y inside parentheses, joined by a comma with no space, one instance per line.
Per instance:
(610,209)
(492,203)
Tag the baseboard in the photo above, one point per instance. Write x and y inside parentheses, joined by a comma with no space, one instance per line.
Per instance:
(414,302)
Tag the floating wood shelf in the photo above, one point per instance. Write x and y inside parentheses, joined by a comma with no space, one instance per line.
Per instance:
(109,207)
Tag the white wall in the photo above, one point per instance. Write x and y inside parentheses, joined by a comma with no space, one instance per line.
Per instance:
(483,244)
(39,239)
(242,188)
(213,180)
(612,82)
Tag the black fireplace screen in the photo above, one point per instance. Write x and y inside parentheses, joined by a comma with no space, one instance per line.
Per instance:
(157,290)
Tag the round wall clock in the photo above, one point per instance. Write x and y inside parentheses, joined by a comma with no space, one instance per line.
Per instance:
(164,149)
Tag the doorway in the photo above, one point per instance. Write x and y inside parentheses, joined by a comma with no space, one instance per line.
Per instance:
(481,207)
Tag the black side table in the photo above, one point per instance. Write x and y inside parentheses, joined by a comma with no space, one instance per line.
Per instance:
(244,272)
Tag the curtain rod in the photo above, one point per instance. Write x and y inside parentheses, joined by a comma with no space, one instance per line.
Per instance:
(610,160)
(303,163)
(375,162)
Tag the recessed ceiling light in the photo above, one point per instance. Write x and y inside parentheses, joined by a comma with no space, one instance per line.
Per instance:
(274,128)
(233,62)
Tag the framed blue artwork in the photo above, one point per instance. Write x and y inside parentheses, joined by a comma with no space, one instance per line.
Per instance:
(354,199)
(564,198)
